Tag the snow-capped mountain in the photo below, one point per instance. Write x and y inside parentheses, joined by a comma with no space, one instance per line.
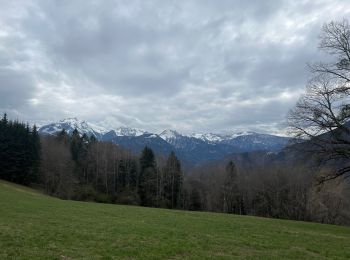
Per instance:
(193,148)
(127,131)
(122,131)
(242,141)
(209,137)
(199,147)
(217,138)
(83,127)
(180,141)
(256,142)
(69,124)
(169,135)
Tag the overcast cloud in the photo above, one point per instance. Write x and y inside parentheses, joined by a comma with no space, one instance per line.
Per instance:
(194,66)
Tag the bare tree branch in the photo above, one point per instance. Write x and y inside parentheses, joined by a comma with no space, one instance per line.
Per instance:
(322,114)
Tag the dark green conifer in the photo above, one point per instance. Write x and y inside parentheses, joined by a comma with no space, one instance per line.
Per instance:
(148,178)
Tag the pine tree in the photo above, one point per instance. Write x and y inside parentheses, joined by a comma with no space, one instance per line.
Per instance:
(4,120)
(35,153)
(4,146)
(62,136)
(148,178)
(76,145)
(92,139)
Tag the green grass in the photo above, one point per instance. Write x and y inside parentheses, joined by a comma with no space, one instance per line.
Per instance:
(35,226)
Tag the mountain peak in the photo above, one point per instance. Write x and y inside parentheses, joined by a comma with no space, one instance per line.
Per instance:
(70,120)
(127,131)
(237,134)
(69,124)
(169,134)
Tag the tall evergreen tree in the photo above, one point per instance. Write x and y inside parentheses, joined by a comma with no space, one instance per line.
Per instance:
(63,136)
(35,152)
(148,178)
(76,145)
(4,145)
(19,152)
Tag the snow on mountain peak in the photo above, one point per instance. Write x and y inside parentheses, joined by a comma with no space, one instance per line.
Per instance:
(209,137)
(240,140)
(83,127)
(169,134)
(69,124)
(237,134)
(127,131)
(216,138)
(75,123)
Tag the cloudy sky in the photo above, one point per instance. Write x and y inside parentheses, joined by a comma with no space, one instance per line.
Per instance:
(194,66)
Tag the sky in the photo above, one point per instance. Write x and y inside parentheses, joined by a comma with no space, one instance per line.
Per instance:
(193,66)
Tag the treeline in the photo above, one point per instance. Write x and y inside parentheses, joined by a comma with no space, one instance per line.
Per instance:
(19,152)
(82,168)
(278,190)
(79,167)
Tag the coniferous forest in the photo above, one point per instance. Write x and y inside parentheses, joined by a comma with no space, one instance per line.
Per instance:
(19,152)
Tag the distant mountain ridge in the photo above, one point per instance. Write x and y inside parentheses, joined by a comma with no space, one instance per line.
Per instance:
(192,149)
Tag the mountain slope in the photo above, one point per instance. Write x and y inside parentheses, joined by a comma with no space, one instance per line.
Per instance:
(257,142)
(137,143)
(69,124)
(35,226)
(192,149)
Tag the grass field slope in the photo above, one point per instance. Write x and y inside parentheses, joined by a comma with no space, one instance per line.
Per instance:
(35,226)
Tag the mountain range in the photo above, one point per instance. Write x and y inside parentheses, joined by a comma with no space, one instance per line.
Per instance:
(191,149)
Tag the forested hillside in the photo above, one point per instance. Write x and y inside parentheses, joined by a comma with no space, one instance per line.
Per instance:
(82,168)
(77,167)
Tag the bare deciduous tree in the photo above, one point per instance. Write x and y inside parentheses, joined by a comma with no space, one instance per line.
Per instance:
(322,114)
(57,168)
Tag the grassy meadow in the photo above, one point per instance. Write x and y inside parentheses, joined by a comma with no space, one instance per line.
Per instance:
(35,226)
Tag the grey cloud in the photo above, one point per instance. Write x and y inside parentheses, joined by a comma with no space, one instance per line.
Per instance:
(15,88)
(191,65)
